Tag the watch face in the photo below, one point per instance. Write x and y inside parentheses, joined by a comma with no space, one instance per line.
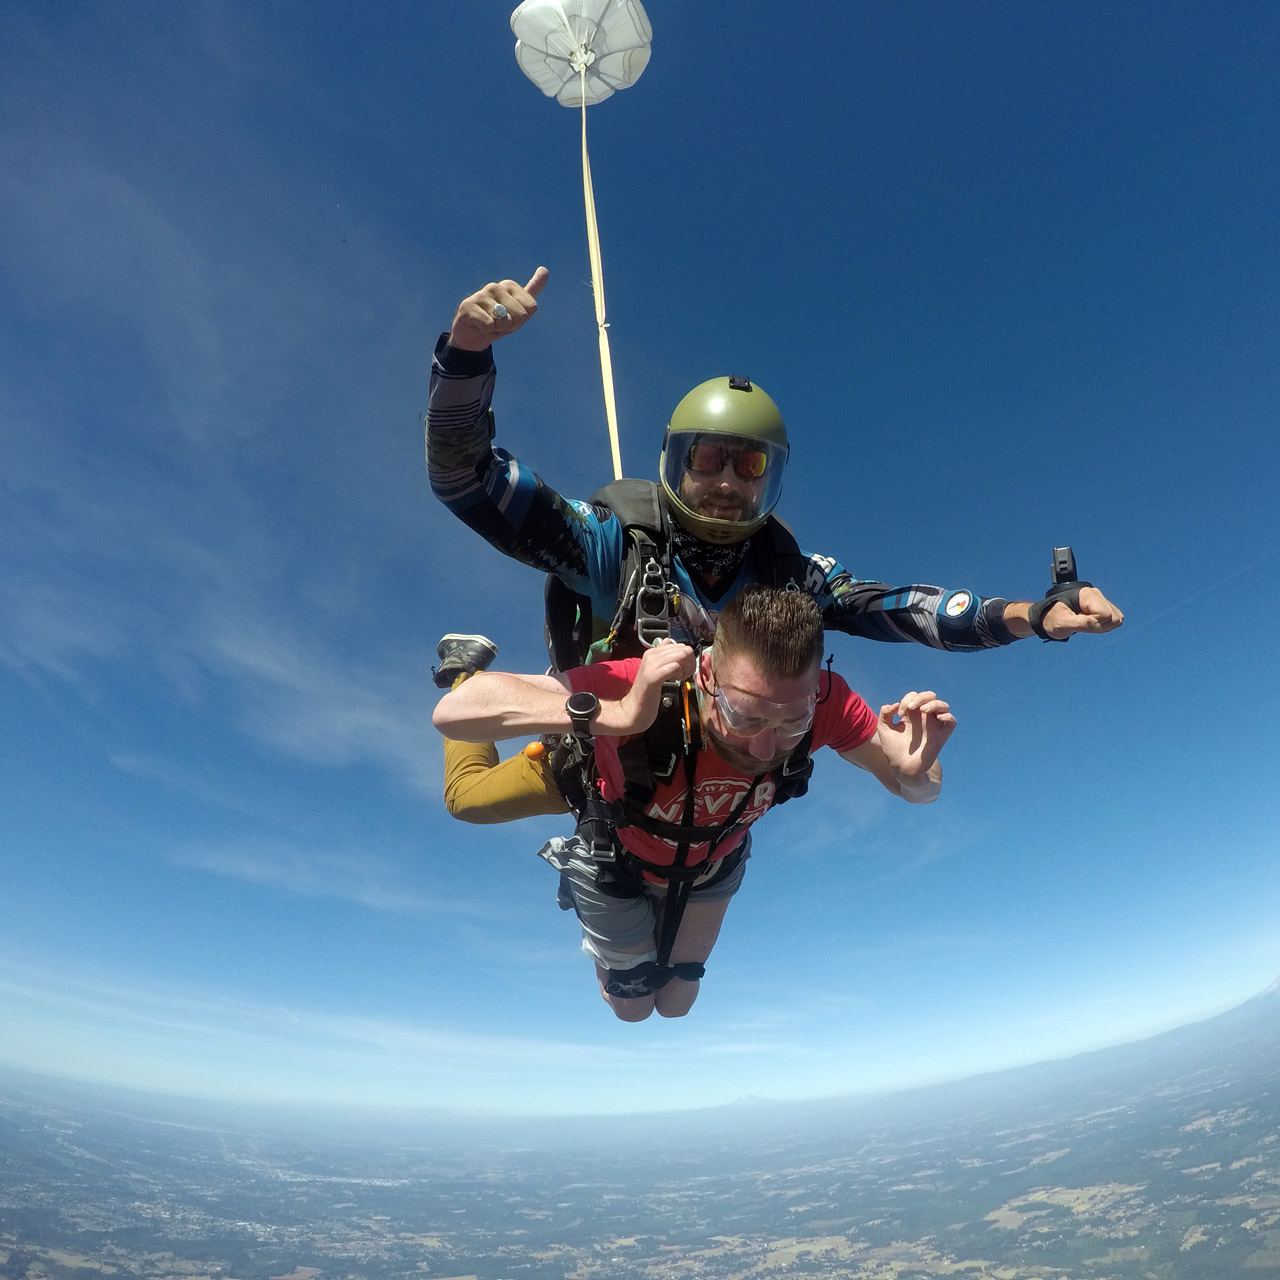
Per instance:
(957,603)
(582,704)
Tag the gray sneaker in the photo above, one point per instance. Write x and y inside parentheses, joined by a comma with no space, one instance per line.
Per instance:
(462,655)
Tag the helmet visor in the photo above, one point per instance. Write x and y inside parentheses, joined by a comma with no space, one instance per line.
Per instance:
(716,476)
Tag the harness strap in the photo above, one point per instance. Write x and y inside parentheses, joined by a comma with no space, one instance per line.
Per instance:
(600,818)
(672,914)
(678,898)
(648,977)
(619,813)
(1067,593)
(655,756)
(646,570)
(599,814)
(797,769)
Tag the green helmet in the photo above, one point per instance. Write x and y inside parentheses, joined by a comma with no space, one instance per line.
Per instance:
(722,459)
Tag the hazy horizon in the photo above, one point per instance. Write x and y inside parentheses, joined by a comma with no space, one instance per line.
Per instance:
(370,1116)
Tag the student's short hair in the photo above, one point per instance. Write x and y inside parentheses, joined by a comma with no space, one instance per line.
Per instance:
(778,630)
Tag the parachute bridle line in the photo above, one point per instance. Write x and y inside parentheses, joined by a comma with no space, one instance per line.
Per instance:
(597,282)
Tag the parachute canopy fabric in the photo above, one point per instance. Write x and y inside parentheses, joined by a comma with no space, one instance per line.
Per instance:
(580,52)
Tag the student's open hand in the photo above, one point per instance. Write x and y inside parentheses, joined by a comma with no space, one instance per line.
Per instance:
(913,730)
(496,311)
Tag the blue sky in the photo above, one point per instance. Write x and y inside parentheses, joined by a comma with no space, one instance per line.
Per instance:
(1009,270)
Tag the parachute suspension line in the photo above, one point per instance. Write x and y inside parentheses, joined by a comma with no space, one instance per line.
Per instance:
(597,285)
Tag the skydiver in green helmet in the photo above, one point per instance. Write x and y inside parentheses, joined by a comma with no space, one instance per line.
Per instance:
(720,475)
(722,462)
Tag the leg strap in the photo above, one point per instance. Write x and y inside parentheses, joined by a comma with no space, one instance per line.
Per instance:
(649,977)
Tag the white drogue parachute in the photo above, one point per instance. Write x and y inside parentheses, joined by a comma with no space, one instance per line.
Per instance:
(580,52)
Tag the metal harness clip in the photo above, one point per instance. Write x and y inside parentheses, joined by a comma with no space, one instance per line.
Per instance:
(652,619)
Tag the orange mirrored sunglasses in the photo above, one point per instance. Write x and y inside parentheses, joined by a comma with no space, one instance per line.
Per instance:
(710,459)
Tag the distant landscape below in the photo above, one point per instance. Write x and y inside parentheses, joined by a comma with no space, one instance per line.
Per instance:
(1157,1159)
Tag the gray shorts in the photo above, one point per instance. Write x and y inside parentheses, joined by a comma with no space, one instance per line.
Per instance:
(619,932)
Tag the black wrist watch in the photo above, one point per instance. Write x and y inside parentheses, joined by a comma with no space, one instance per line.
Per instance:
(581,707)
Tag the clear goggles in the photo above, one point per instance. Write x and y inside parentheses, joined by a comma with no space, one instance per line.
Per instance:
(788,720)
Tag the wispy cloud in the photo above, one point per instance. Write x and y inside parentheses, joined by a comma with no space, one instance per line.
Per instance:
(186,1040)
(924,849)
(847,814)
(298,693)
(315,705)
(349,876)
(114,1008)
(45,628)
(160,525)
(909,944)
(96,247)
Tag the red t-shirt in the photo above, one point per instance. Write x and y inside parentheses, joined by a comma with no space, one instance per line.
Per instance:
(843,721)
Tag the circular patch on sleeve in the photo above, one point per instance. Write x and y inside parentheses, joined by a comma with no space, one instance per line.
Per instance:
(957,609)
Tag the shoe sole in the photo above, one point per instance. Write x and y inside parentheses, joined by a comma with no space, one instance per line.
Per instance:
(483,641)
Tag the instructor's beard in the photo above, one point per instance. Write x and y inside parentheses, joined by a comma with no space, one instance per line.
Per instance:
(724,506)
